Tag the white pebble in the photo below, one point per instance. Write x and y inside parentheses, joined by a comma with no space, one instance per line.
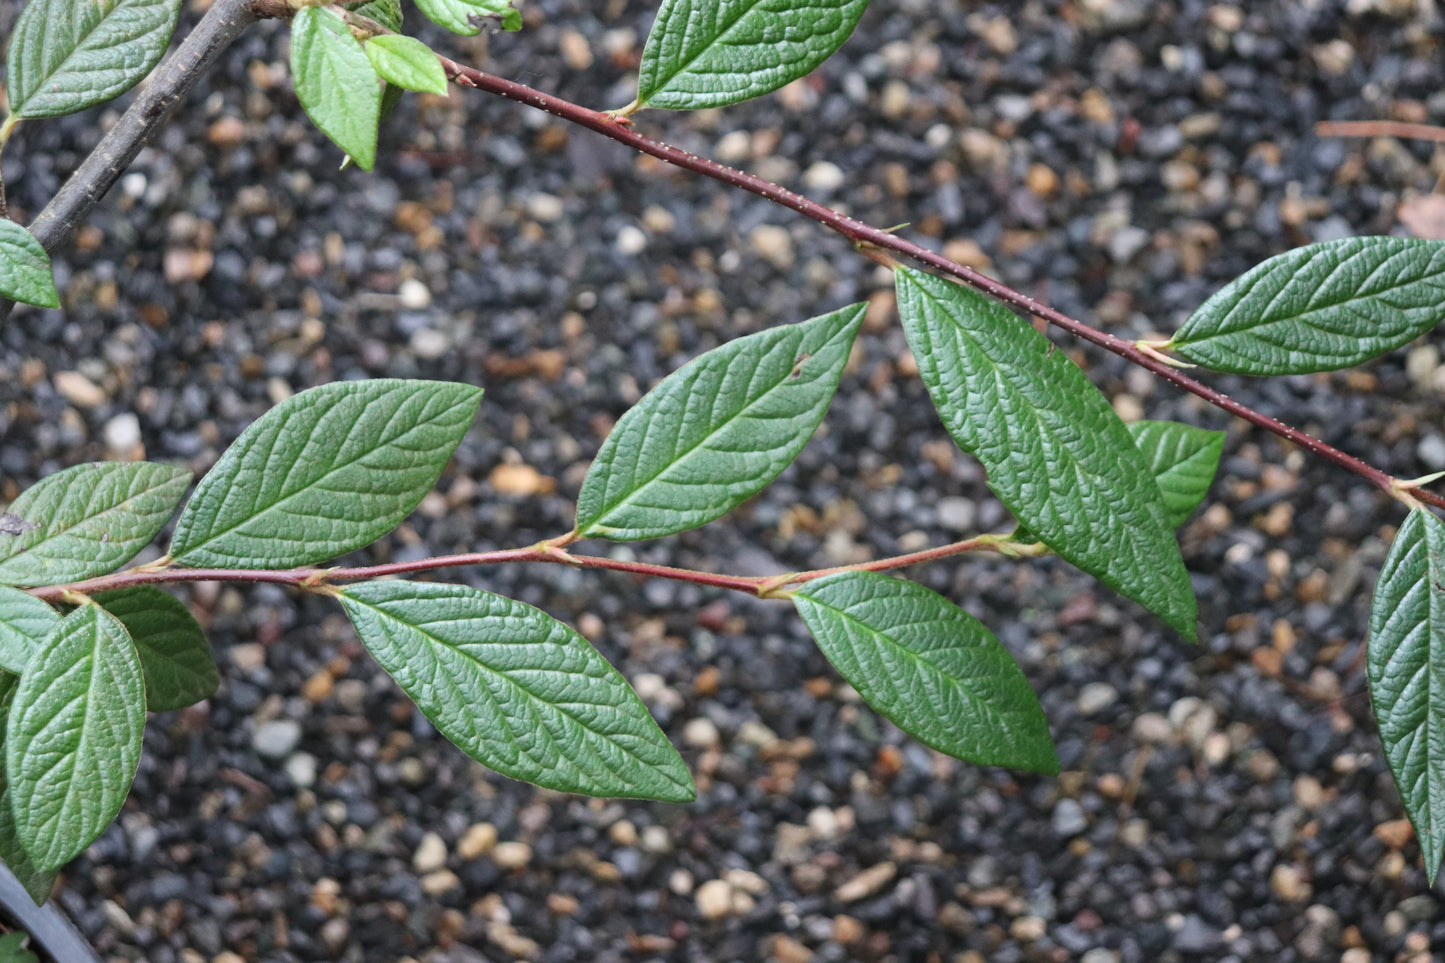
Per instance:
(122,433)
(631,240)
(414,295)
(430,855)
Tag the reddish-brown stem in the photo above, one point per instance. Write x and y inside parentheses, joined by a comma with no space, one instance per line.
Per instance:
(320,579)
(1379,128)
(866,235)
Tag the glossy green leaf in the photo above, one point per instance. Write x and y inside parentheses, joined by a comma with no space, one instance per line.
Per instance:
(88,520)
(326,471)
(174,654)
(710,53)
(67,55)
(73,737)
(930,667)
(517,690)
(37,884)
(336,82)
(1406,659)
(388,13)
(1183,459)
(1321,307)
(25,268)
(466,16)
(716,431)
(25,621)
(408,63)
(1055,452)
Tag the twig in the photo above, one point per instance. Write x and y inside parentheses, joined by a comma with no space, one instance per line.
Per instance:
(863,234)
(172,80)
(322,579)
(1379,128)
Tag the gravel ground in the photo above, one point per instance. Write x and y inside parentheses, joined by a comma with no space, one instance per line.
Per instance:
(1118,158)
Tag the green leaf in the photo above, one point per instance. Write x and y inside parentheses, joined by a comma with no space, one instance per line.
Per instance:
(711,53)
(25,267)
(174,654)
(1319,308)
(67,55)
(717,431)
(14,947)
(73,737)
(88,520)
(37,884)
(1183,459)
(465,16)
(517,690)
(323,473)
(336,82)
(930,667)
(385,12)
(1406,659)
(408,63)
(25,621)
(1055,452)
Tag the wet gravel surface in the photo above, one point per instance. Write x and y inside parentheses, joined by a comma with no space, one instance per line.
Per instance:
(1119,159)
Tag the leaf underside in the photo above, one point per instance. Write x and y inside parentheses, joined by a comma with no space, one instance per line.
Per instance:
(1183,460)
(67,55)
(930,667)
(25,273)
(174,654)
(1056,453)
(517,690)
(711,53)
(88,520)
(25,621)
(73,737)
(328,470)
(1406,659)
(1320,308)
(716,431)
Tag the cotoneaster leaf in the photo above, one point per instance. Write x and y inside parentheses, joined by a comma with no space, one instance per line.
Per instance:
(1183,459)
(930,667)
(1055,452)
(25,621)
(1406,660)
(464,16)
(67,55)
(326,471)
(408,63)
(25,268)
(716,431)
(336,82)
(1319,308)
(174,654)
(73,736)
(38,884)
(517,690)
(88,520)
(711,53)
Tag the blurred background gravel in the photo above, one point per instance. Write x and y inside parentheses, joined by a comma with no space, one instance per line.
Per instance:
(1118,158)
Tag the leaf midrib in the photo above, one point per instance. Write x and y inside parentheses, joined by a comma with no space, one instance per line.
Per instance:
(716,39)
(119,506)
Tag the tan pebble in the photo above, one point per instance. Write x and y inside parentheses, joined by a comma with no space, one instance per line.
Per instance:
(521,480)
(866,883)
(226,132)
(623,833)
(1028,929)
(513,943)
(1308,792)
(318,688)
(248,656)
(1042,180)
(1151,727)
(1288,883)
(560,904)
(774,244)
(77,389)
(477,841)
(1395,833)
(788,950)
(184,264)
(700,733)
(746,881)
(512,855)
(325,894)
(430,855)
(847,929)
(714,899)
(439,882)
(576,52)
